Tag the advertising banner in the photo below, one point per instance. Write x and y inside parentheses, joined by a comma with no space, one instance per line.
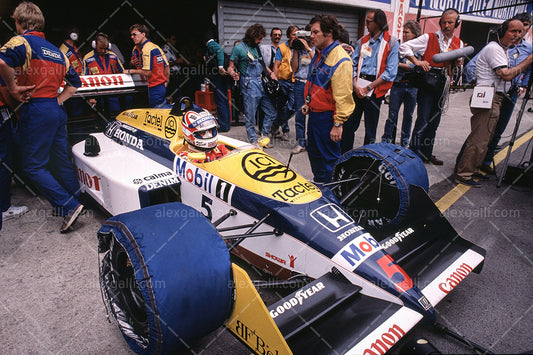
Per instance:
(477,10)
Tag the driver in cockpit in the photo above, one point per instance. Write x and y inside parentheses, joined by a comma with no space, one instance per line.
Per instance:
(199,129)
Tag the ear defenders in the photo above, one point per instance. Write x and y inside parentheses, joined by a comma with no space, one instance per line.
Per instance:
(73,36)
(93,43)
(457,21)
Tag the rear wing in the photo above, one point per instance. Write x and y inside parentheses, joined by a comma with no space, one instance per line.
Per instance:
(109,84)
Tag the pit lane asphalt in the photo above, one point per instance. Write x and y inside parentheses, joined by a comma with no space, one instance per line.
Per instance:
(50,300)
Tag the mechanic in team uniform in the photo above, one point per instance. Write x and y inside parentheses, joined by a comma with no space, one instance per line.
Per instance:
(199,129)
(41,68)
(101,60)
(6,170)
(150,61)
(329,100)
(74,106)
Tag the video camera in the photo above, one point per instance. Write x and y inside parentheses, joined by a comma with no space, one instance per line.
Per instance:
(297,44)
(303,34)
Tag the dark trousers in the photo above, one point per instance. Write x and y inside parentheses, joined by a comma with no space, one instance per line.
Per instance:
(427,122)
(45,153)
(5,166)
(221,101)
(370,107)
(322,151)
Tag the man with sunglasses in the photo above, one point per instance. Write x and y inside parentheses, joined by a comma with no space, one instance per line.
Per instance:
(149,61)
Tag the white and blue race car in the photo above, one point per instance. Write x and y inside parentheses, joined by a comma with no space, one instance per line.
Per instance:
(376,253)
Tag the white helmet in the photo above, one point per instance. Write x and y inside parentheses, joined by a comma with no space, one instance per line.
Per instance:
(200,129)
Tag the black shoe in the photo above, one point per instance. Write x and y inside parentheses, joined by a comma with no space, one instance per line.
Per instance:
(433,160)
(487,169)
(71,218)
(480,176)
(469,182)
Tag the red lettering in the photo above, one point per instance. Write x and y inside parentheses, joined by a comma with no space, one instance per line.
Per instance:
(391,269)
(106,81)
(457,276)
(386,341)
(364,246)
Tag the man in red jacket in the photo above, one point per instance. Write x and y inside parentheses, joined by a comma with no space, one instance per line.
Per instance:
(429,103)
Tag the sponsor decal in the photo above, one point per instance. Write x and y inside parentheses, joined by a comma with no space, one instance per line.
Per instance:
(50,53)
(276,258)
(127,138)
(424,302)
(204,180)
(153,120)
(299,297)
(398,238)
(331,217)
(358,250)
(292,259)
(160,183)
(455,277)
(292,193)
(261,167)
(170,127)
(130,115)
(159,59)
(386,173)
(254,340)
(91,181)
(91,81)
(383,344)
(152,177)
(349,232)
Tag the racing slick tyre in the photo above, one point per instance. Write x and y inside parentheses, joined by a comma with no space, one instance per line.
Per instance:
(165,276)
(372,183)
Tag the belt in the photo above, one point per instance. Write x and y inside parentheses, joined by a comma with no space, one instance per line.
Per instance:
(367,77)
(300,80)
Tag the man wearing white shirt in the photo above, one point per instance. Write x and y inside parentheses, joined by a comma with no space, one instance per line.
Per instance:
(429,106)
(492,70)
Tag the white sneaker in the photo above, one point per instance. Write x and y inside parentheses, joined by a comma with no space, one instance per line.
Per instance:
(298,149)
(14,212)
(70,218)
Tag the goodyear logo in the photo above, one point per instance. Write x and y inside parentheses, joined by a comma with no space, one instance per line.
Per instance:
(170,127)
(264,168)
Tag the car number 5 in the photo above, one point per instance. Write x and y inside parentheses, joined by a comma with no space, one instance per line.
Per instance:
(206,204)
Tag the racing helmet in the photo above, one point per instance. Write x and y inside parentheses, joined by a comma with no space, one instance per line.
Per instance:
(200,129)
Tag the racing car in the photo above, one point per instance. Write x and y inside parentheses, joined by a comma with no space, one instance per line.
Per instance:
(373,251)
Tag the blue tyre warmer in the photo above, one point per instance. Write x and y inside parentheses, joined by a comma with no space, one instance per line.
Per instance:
(182,272)
(385,171)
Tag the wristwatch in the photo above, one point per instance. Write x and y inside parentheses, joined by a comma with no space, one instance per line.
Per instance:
(369,88)
(337,124)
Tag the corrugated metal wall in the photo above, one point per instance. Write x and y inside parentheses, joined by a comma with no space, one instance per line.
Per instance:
(234,17)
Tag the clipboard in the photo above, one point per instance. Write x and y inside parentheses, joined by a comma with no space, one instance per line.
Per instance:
(362,83)
(482,97)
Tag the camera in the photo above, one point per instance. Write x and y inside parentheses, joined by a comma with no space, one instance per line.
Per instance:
(303,34)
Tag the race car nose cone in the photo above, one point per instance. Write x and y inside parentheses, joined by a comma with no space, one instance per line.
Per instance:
(92,148)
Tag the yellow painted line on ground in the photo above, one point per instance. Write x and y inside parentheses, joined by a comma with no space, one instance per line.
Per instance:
(459,190)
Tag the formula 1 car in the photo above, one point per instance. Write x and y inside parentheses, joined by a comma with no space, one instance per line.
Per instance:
(376,253)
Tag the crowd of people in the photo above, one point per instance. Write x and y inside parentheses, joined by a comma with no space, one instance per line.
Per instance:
(315,76)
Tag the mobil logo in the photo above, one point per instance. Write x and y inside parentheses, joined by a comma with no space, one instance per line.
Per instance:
(331,217)
(356,252)
(193,174)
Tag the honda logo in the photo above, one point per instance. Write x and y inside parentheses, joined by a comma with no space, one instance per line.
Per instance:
(332,217)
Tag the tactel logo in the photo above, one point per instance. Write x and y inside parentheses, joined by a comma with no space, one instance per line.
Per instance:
(262,167)
(331,217)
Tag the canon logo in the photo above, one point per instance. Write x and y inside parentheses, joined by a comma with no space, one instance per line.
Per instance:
(386,341)
(457,276)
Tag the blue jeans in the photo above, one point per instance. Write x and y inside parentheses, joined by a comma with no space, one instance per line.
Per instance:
(157,95)
(406,94)
(427,122)
(370,106)
(5,165)
(221,101)
(506,111)
(299,119)
(45,149)
(322,151)
(254,96)
(285,105)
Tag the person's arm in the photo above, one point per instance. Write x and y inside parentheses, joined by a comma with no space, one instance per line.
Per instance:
(295,61)
(390,72)
(19,93)
(416,45)
(341,89)
(67,92)
(508,74)
(232,72)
